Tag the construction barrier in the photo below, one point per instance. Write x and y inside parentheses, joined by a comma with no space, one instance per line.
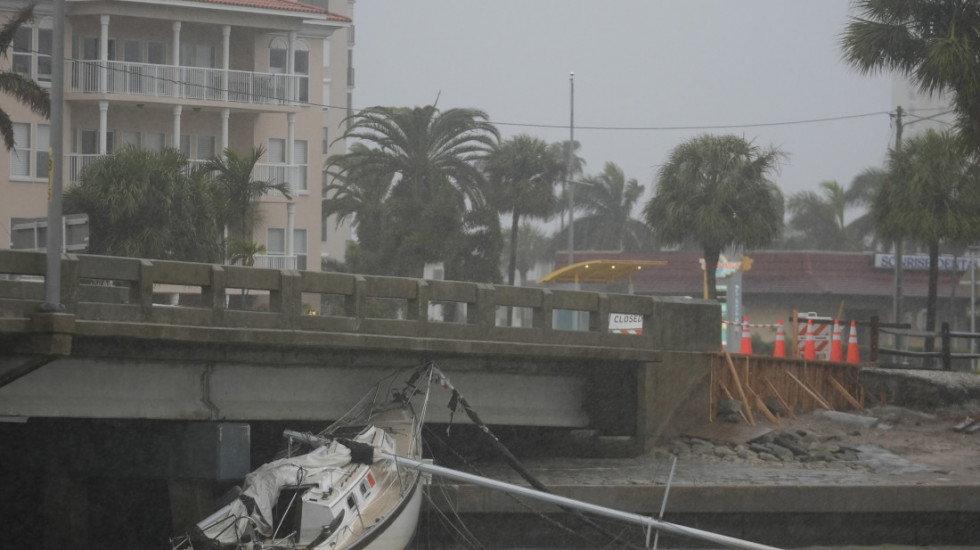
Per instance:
(779,350)
(836,350)
(853,354)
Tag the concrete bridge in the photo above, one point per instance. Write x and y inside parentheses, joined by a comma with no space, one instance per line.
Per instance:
(247,344)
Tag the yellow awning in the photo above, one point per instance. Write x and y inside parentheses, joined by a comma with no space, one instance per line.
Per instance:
(598,271)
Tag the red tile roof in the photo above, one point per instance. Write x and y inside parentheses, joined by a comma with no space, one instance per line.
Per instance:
(780,272)
(286,5)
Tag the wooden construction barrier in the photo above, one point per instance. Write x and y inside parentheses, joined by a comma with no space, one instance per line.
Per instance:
(796,385)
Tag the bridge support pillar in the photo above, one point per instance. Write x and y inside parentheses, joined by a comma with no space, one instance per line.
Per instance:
(51,333)
(671,395)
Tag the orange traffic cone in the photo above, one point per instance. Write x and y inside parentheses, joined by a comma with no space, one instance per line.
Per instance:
(746,338)
(809,348)
(836,349)
(780,349)
(853,355)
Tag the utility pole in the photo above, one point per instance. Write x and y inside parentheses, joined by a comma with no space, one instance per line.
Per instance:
(897,305)
(568,170)
(55,236)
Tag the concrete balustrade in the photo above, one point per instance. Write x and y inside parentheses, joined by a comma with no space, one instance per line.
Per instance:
(121,291)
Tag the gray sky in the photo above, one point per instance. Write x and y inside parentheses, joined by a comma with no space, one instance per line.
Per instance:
(637,64)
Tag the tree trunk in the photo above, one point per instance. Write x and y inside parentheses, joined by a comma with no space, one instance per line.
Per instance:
(710,266)
(512,267)
(933,294)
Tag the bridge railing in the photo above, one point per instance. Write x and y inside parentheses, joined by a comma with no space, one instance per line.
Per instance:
(134,291)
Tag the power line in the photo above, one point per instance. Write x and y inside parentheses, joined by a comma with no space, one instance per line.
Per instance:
(220,90)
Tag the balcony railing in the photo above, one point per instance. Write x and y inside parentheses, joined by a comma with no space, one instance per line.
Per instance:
(290,173)
(275,261)
(169,81)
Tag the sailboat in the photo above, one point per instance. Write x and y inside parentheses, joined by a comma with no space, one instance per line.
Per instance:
(337,489)
(360,488)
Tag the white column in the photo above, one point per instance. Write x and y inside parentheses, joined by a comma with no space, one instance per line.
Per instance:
(104,54)
(103,126)
(178,109)
(225,59)
(290,226)
(176,44)
(290,148)
(225,113)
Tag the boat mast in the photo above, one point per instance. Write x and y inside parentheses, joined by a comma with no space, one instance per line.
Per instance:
(648,522)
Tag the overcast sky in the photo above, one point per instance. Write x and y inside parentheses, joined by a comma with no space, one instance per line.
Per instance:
(641,66)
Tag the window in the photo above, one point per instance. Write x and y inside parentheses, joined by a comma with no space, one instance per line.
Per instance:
(197,55)
(156,53)
(275,240)
(324,140)
(299,248)
(326,93)
(32,47)
(185,145)
(278,55)
(276,151)
(326,52)
(131,137)
(205,147)
(29,158)
(155,141)
(20,156)
(90,142)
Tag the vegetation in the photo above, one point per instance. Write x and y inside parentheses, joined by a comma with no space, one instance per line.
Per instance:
(932,42)
(817,222)
(606,202)
(237,193)
(931,195)
(421,162)
(146,204)
(522,174)
(715,190)
(24,90)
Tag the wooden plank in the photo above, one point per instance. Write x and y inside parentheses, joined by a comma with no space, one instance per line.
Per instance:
(823,402)
(850,398)
(762,406)
(779,397)
(741,392)
(724,389)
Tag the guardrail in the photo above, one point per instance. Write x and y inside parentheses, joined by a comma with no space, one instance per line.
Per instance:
(129,290)
(944,353)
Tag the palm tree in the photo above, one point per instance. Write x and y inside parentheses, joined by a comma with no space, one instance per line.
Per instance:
(933,42)
(522,172)
(429,159)
(359,194)
(22,89)
(238,193)
(819,220)
(532,246)
(607,201)
(932,195)
(715,190)
(144,204)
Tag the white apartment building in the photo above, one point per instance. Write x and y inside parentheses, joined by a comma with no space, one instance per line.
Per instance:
(199,75)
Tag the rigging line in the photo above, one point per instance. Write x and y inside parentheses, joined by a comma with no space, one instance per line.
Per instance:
(701,127)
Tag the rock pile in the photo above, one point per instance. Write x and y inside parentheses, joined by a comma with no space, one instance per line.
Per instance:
(778,446)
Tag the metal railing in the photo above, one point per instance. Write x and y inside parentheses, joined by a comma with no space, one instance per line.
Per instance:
(170,81)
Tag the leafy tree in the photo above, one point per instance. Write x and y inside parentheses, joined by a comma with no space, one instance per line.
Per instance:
(932,196)
(478,248)
(818,221)
(607,201)
(522,172)
(428,158)
(145,204)
(932,42)
(244,252)
(24,90)
(238,194)
(532,246)
(358,193)
(715,189)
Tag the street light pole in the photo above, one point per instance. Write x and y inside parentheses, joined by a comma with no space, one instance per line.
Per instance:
(55,236)
(568,170)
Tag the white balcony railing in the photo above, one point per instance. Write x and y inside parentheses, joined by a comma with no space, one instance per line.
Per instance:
(169,81)
(275,261)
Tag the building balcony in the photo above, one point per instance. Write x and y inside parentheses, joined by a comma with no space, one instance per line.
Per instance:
(275,261)
(147,80)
